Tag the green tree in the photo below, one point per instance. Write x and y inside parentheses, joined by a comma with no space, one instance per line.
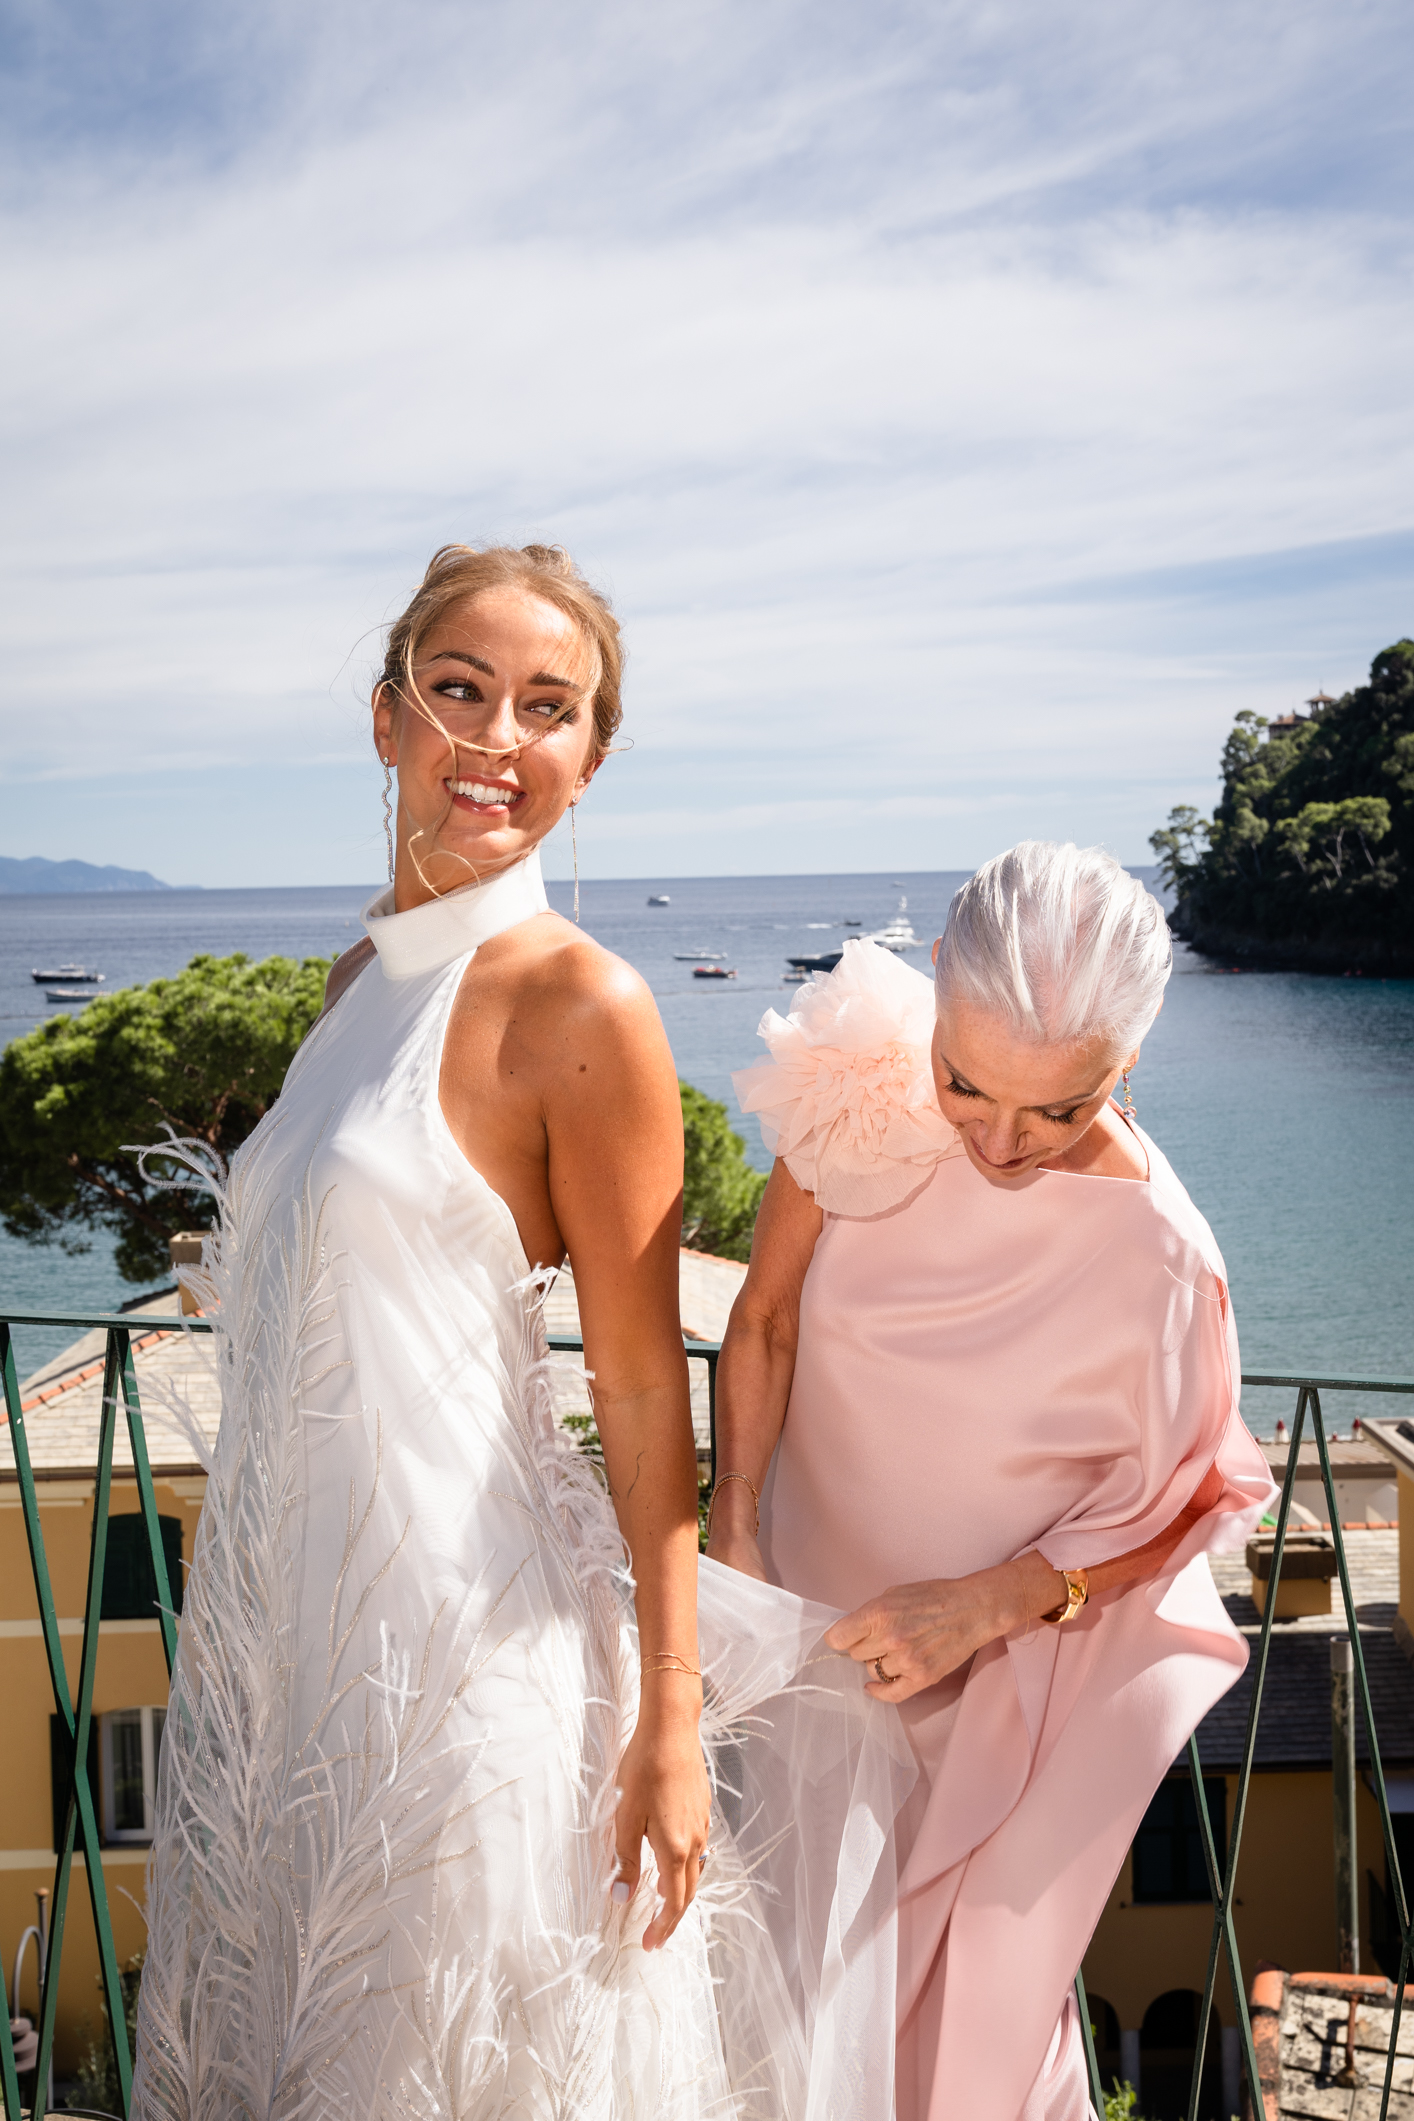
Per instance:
(203,1054)
(720,1193)
(1317,835)
(1178,845)
(1311,848)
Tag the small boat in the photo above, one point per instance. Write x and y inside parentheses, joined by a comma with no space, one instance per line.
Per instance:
(896,934)
(713,972)
(71,975)
(826,962)
(698,957)
(659,898)
(851,924)
(68,994)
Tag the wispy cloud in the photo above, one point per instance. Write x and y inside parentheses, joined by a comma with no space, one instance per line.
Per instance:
(968,408)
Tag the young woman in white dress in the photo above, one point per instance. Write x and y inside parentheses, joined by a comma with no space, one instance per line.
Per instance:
(432,1808)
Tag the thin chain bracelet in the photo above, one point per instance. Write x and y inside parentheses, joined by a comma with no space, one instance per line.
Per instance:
(667,1661)
(719,1483)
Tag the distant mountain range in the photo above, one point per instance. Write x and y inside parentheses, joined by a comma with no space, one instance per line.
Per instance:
(37,874)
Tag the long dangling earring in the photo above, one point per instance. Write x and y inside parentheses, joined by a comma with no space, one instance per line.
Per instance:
(388,813)
(574,843)
(1128,1106)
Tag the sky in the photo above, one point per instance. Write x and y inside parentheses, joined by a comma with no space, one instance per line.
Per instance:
(968,408)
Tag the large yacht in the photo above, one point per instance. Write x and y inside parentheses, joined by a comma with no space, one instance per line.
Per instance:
(896,934)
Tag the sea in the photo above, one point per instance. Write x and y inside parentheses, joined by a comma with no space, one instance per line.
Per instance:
(1284,1101)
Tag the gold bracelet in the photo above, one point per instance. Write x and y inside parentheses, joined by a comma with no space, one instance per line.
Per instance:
(667,1661)
(720,1482)
(1077,1584)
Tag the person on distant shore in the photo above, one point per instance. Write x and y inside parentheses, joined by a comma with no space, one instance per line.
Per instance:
(980,1389)
(422,1721)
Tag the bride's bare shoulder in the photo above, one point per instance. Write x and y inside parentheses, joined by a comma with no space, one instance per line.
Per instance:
(562,976)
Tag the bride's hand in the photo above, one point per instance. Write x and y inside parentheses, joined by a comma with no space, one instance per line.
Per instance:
(664,1797)
(920,1632)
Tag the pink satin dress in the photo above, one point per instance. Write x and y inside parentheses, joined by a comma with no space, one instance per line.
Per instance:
(983,1369)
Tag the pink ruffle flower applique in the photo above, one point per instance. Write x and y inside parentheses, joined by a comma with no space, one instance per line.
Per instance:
(845,1095)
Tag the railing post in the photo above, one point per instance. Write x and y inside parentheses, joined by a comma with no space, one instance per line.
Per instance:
(1347,1901)
(712,1413)
(1092,2065)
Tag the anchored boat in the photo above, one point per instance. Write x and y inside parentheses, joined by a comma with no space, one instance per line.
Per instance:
(896,934)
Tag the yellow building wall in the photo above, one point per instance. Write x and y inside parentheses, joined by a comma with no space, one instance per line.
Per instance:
(131,1673)
(1284,1909)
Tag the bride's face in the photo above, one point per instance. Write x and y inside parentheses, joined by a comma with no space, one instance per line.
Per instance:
(496,743)
(1016,1105)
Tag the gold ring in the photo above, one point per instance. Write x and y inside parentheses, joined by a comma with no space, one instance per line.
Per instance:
(886,1678)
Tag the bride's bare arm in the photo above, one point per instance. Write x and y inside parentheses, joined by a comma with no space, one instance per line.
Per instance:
(613,1125)
(757,1364)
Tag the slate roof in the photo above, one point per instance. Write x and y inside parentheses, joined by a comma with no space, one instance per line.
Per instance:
(1294,1728)
(61,1403)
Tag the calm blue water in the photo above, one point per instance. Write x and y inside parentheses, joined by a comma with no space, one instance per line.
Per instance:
(1285,1103)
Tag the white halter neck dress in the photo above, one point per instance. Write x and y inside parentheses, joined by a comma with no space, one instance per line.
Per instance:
(407,1666)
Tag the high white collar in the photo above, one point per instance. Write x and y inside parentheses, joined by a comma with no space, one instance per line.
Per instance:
(427,937)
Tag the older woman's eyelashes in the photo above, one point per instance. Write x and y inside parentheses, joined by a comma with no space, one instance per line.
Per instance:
(1053,1119)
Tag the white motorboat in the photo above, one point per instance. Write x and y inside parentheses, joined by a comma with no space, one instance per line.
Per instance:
(71,976)
(698,957)
(896,934)
(659,898)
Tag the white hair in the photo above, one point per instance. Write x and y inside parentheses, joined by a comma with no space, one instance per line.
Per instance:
(1060,943)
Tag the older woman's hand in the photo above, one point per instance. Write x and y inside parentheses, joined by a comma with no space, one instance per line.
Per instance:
(919,1632)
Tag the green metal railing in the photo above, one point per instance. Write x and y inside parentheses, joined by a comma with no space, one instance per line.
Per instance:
(1222,1879)
(120,1394)
(81,1820)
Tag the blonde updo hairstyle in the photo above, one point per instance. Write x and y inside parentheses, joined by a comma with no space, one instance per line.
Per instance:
(1061,944)
(545,571)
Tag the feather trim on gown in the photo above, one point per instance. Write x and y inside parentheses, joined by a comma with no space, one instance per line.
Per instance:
(407,1668)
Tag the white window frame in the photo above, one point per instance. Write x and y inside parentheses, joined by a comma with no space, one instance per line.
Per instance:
(151,1722)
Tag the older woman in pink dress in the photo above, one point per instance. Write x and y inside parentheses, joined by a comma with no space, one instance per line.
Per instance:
(980,1392)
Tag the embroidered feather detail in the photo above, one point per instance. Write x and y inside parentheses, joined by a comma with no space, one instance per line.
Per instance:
(407,1668)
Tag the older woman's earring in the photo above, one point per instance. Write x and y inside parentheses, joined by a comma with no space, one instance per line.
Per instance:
(574,843)
(388,813)
(1128,1106)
